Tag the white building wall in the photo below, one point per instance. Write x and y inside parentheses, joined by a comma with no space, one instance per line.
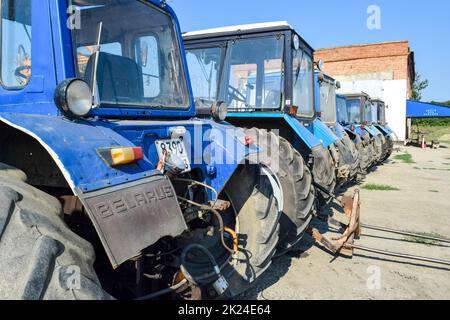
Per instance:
(392,92)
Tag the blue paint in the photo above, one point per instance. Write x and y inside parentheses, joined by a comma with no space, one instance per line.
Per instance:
(417,109)
(323,133)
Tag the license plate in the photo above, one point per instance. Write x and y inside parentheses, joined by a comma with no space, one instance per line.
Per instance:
(176,147)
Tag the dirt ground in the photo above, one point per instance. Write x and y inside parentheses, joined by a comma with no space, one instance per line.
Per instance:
(421,205)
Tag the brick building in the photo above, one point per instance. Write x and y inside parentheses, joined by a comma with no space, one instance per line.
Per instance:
(383,70)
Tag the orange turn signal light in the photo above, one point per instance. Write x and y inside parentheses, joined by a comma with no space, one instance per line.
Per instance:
(122,156)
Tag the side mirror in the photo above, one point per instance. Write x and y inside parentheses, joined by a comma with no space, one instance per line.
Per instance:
(338,84)
(320,64)
(321,77)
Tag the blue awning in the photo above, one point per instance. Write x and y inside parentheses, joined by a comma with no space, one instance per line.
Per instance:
(417,109)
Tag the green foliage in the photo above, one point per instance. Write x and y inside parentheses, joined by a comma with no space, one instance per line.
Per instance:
(379,187)
(418,86)
(431,122)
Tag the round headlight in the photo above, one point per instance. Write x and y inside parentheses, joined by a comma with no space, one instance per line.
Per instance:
(219,111)
(296,42)
(74,98)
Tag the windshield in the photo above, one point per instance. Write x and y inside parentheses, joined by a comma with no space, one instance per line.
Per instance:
(204,67)
(342,110)
(328,102)
(254,74)
(354,110)
(303,83)
(140,61)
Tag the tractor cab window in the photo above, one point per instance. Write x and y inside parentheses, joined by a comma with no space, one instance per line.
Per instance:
(204,67)
(368,112)
(374,112)
(381,113)
(254,75)
(139,63)
(15,43)
(328,102)
(342,110)
(303,85)
(354,110)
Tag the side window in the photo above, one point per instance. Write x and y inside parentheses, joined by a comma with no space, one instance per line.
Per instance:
(15,43)
(147,56)
(204,71)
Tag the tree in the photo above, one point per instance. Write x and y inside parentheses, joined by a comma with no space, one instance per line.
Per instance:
(418,86)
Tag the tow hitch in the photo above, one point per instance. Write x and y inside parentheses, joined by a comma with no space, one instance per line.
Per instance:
(351,223)
(351,228)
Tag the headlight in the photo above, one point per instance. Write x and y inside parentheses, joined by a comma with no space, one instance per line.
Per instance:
(74,98)
(219,111)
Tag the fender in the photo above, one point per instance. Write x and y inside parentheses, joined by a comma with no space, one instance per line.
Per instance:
(339,131)
(372,131)
(302,133)
(323,133)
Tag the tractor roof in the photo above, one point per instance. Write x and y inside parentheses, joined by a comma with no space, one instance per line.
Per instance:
(241,29)
(360,94)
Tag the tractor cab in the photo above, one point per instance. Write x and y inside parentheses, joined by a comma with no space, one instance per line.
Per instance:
(264,75)
(326,105)
(96,110)
(362,116)
(382,125)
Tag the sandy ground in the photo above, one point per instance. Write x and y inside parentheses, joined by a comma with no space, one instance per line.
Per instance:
(421,205)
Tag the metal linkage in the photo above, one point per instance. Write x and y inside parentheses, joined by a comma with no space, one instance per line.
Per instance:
(404,233)
(345,245)
(400,255)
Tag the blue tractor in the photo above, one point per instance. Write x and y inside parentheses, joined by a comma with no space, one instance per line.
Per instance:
(109,187)
(361,138)
(382,126)
(327,110)
(362,117)
(264,74)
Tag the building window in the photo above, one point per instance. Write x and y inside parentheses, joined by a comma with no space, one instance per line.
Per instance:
(15,43)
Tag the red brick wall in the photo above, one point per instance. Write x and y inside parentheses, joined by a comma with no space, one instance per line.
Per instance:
(394,57)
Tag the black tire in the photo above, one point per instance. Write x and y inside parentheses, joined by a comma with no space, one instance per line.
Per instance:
(390,147)
(342,161)
(38,252)
(323,172)
(353,157)
(364,151)
(295,180)
(257,224)
(378,149)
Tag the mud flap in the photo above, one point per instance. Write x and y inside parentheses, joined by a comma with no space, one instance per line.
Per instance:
(132,217)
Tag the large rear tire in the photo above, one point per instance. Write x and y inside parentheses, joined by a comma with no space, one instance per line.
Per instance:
(40,257)
(296,184)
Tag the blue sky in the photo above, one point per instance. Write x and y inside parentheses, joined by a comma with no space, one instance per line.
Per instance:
(328,23)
